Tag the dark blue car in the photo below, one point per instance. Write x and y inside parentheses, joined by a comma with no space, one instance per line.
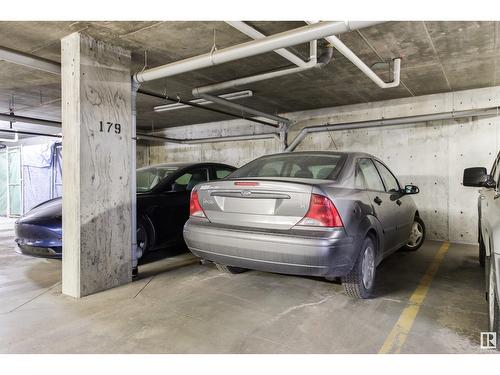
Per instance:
(163,193)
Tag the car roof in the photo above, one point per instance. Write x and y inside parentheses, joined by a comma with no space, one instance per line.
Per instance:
(180,165)
(348,153)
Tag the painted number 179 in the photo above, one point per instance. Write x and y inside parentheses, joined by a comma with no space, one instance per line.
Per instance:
(109,126)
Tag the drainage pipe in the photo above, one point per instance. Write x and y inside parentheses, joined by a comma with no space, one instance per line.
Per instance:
(494,111)
(133,180)
(255,47)
(352,57)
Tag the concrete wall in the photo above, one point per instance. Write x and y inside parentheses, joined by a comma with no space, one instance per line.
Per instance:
(142,155)
(431,155)
(234,153)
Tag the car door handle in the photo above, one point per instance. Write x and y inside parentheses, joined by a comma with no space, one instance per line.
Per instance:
(399,202)
(378,200)
(482,197)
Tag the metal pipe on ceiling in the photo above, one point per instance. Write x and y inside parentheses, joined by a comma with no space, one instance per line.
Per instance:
(255,34)
(312,63)
(30,61)
(22,132)
(235,83)
(39,63)
(255,47)
(264,76)
(28,120)
(202,92)
(493,111)
(139,136)
(352,57)
(245,137)
(243,27)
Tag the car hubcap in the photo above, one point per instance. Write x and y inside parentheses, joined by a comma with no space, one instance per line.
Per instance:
(491,298)
(368,267)
(416,234)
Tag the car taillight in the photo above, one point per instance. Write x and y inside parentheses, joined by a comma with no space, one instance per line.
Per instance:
(195,206)
(322,213)
(246,183)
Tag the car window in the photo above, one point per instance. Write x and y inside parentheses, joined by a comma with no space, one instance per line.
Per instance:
(270,169)
(222,172)
(296,165)
(188,180)
(390,182)
(149,177)
(367,176)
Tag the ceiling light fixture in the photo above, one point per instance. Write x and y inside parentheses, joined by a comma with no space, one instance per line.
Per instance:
(230,96)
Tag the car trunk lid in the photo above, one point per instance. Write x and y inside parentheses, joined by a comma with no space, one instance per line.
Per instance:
(256,203)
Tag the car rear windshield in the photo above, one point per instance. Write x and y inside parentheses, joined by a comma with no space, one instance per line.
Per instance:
(313,166)
(148,178)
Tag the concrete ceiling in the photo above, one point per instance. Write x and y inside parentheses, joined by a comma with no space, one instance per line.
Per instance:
(437,57)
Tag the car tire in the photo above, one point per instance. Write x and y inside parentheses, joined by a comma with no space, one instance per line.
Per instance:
(417,235)
(493,306)
(230,269)
(482,252)
(143,239)
(360,282)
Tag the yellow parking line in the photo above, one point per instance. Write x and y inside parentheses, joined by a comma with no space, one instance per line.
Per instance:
(397,337)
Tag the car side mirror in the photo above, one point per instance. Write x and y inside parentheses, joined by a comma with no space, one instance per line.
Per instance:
(411,189)
(477,177)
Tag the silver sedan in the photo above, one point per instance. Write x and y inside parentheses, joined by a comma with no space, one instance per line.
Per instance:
(328,214)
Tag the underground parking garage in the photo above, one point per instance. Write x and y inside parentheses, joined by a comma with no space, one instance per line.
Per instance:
(233,193)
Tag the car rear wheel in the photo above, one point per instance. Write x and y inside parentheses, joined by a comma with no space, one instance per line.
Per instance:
(230,269)
(360,282)
(417,235)
(142,240)
(493,307)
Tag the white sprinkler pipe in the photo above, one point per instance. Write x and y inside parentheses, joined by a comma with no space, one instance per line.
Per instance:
(254,34)
(255,47)
(352,57)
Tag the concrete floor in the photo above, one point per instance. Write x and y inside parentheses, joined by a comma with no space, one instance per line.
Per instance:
(179,306)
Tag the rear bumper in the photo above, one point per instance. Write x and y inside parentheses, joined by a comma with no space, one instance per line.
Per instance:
(329,255)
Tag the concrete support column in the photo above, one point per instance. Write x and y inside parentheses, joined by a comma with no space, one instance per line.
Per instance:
(96,122)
